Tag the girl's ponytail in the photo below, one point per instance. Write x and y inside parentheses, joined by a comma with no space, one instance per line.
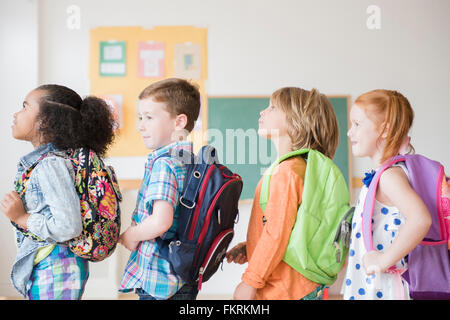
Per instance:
(70,122)
(96,128)
(393,113)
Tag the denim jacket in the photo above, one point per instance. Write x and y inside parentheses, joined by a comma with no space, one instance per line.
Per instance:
(54,208)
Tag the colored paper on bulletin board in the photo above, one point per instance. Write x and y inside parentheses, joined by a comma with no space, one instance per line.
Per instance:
(188,60)
(115,103)
(112,58)
(151,59)
(128,141)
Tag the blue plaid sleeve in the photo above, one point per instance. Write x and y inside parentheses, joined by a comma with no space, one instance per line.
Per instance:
(163,184)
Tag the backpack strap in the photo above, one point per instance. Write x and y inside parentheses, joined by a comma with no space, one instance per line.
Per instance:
(163,243)
(192,185)
(425,177)
(370,202)
(21,187)
(21,183)
(86,153)
(265,187)
(206,157)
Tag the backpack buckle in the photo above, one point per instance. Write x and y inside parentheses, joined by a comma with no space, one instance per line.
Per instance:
(338,252)
(186,205)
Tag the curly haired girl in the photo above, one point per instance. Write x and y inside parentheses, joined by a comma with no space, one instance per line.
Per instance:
(54,118)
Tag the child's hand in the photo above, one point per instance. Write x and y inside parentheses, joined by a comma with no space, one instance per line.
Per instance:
(238,254)
(373,261)
(244,292)
(127,240)
(12,206)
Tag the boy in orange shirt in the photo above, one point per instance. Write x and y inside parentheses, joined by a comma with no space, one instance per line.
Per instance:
(295,119)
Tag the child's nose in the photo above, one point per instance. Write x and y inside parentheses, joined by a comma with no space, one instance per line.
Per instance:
(140,127)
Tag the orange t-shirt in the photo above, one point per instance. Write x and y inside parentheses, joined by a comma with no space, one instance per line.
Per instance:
(266,244)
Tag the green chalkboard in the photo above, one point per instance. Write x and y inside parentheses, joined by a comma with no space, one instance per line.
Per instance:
(233,131)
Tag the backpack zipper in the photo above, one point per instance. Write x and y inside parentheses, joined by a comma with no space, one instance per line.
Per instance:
(214,245)
(208,217)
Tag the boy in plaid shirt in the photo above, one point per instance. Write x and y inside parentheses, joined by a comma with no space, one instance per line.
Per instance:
(168,110)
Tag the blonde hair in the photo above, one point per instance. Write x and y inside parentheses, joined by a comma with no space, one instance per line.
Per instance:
(390,111)
(311,119)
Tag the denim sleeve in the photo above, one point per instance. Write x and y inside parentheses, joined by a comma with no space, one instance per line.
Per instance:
(61,219)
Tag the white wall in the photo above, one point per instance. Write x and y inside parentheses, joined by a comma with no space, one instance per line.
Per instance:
(256,47)
(19,71)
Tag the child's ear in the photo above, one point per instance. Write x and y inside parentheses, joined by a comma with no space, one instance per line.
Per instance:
(181,121)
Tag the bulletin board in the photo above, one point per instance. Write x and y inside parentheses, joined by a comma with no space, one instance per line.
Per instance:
(236,113)
(125,60)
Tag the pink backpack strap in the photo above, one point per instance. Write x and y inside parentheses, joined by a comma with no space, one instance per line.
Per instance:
(370,202)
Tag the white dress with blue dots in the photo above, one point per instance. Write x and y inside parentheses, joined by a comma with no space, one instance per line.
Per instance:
(357,284)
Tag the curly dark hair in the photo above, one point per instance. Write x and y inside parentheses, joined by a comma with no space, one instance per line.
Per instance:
(70,122)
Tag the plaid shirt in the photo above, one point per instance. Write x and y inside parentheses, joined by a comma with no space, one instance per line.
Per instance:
(146,269)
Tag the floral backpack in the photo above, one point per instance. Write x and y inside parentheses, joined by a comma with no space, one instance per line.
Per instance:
(99,193)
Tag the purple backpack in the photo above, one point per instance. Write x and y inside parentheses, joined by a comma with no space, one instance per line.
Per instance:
(428,271)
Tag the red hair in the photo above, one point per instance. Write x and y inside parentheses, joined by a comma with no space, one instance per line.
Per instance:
(392,111)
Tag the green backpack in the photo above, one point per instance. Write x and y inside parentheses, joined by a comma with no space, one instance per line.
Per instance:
(319,241)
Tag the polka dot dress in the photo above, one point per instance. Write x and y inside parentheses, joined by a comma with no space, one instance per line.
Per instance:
(357,284)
